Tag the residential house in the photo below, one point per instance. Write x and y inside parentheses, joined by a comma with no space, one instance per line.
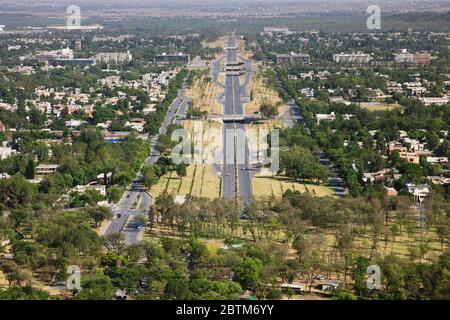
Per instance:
(137,124)
(411,157)
(440,180)
(114,137)
(46,169)
(437,160)
(74,123)
(93,186)
(330,285)
(397,146)
(391,192)
(435,100)
(325,117)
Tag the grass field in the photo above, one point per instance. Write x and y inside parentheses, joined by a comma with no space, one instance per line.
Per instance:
(375,106)
(211,136)
(264,184)
(221,79)
(400,247)
(257,134)
(200,181)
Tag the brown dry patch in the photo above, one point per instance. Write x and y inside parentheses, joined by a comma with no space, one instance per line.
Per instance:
(261,93)
(203,93)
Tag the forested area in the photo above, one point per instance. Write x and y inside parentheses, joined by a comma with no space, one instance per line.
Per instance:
(78,164)
(185,265)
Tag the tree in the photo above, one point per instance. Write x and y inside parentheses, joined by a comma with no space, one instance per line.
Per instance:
(344,241)
(163,205)
(393,278)
(108,161)
(114,194)
(181,170)
(248,271)
(432,140)
(123,178)
(313,259)
(95,287)
(114,242)
(30,170)
(13,273)
(268,110)
(150,177)
(300,244)
(24,293)
(341,294)
(16,191)
(99,214)
(194,112)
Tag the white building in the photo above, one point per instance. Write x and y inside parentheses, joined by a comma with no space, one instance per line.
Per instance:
(276,29)
(74,123)
(437,160)
(94,186)
(435,100)
(6,152)
(46,169)
(326,117)
(352,58)
(420,192)
(113,57)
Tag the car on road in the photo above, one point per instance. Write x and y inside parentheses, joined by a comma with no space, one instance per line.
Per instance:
(119,215)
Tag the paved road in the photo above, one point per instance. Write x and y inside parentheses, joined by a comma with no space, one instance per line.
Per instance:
(236,179)
(336,183)
(180,103)
(229,139)
(124,211)
(229,168)
(181,114)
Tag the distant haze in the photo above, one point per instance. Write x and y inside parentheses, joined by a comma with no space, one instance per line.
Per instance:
(224,6)
(194,2)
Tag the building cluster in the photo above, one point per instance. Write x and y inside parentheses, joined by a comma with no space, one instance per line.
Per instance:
(292,58)
(412,58)
(80,105)
(331,117)
(413,151)
(66,56)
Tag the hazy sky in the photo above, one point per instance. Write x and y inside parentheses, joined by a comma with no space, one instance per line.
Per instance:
(141,2)
(187,2)
(48,5)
